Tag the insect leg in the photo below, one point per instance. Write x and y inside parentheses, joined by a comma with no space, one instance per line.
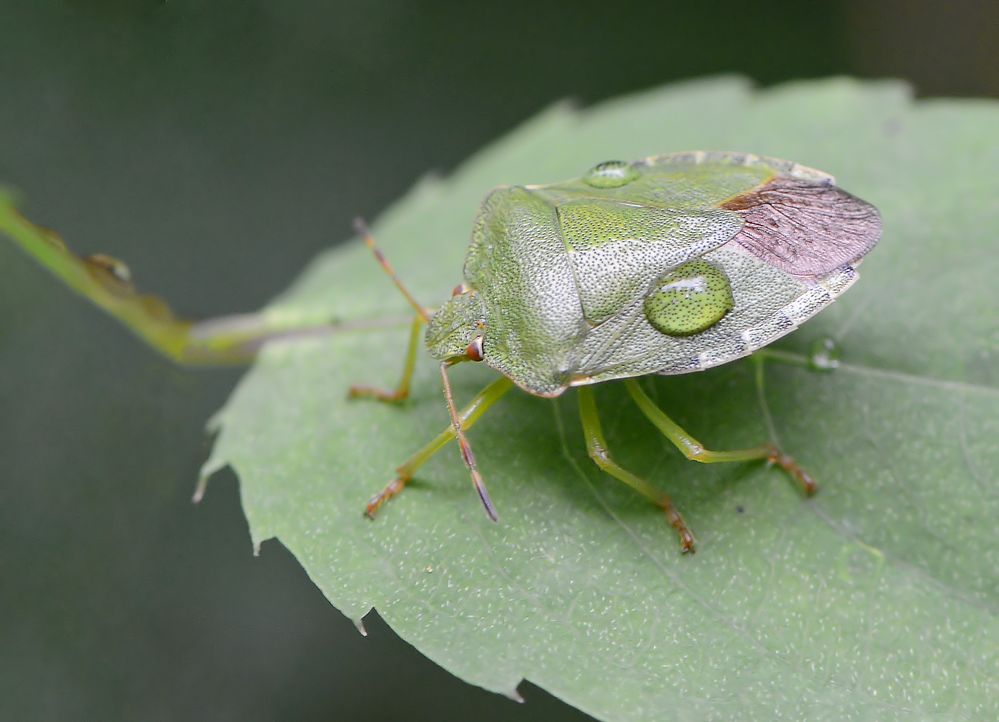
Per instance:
(401,392)
(596,446)
(468,416)
(362,229)
(695,451)
(466,449)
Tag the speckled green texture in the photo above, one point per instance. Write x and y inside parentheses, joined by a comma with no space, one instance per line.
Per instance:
(876,600)
(689,300)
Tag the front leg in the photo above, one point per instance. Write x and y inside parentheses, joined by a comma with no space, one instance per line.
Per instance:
(401,392)
(466,419)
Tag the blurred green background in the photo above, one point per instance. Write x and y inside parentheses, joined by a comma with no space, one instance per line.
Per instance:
(216,147)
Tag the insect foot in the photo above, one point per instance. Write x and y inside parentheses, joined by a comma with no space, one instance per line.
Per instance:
(676,521)
(370,392)
(793,469)
(374,503)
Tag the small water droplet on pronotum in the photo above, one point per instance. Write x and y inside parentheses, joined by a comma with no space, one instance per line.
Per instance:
(824,356)
(611,174)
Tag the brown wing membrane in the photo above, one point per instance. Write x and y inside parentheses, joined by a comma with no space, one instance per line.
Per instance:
(805,228)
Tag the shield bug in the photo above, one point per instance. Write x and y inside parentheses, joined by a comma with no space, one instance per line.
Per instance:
(667,265)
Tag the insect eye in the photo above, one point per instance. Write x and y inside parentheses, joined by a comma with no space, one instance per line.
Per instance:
(474,350)
(459,289)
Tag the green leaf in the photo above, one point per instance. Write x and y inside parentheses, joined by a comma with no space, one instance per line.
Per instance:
(877,599)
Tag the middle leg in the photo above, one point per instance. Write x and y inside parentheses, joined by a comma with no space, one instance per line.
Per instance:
(596,446)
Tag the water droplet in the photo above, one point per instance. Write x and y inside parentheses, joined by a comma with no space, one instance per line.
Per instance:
(824,355)
(611,174)
(689,299)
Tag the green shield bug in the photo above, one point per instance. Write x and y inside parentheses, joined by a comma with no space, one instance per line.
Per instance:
(667,265)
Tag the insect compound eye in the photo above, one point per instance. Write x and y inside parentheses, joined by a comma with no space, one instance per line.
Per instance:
(459,289)
(689,299)
(611,174)
(474,350)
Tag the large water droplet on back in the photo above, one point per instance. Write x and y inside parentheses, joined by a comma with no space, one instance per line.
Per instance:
(689,299)
(611,174)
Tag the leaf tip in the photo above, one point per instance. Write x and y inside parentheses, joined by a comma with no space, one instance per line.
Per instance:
(359,624)
(514,695)
(199,489)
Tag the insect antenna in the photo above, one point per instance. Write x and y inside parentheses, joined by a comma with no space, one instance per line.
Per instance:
(466,450)
(362,229)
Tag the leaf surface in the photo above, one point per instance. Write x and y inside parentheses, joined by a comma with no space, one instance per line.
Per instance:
(877,599)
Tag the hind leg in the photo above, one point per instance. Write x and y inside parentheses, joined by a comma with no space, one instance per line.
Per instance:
(695,451)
